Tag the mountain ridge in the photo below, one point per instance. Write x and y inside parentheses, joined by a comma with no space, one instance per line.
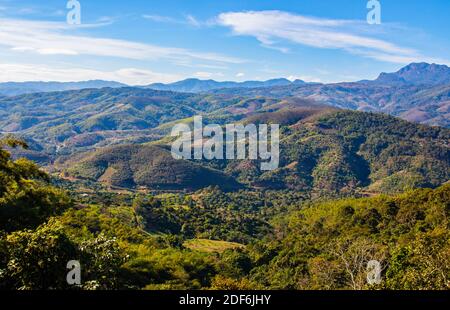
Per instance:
(21,88)
(417,74)
(412,74)
(198,85)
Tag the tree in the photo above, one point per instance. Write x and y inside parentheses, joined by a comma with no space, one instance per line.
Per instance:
(353,255)
(423,264)
(37,259)
(26,198)
(223,283)
(102,259)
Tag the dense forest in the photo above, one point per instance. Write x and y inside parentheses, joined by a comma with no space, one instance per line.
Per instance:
(213,239)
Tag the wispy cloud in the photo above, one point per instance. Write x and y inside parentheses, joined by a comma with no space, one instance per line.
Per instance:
(193,21)
(187,20)
(162,19)
(268,27)
(33,72)
(42,37)
(208,75)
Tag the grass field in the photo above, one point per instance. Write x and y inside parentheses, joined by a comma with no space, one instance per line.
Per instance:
(210,246)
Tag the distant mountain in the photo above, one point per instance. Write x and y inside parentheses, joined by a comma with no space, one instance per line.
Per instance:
(417,92)
(20,88)
(66,121)
(417,74)
(196,85)
(83,118)
(62,123)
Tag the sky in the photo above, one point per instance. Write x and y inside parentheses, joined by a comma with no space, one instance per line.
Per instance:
(139,42)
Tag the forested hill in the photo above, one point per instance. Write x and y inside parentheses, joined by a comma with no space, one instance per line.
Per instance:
(327,245)
(155,244)
(322,153)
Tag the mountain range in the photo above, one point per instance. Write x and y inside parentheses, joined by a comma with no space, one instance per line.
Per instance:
(64,122)
(187,85)
(196,85)
(120,136)
(417,74)
(324,153)
(413,74)
(419,92)
(20,88)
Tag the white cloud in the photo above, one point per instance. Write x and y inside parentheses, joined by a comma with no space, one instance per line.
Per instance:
(193,21)
(32,72)
(54,51)
(269,26)
(208,75)
(304,78)
(240,75)
(55,38)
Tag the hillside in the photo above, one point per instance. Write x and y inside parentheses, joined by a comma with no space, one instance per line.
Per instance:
(346,153)
(220,240)
(327,245)
(64,123)
(133,166)
(324,152)
(59,122)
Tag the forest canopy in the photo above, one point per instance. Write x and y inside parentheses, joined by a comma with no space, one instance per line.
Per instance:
(147,243)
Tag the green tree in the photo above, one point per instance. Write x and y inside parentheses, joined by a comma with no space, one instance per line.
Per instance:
(37,259)
(26,198)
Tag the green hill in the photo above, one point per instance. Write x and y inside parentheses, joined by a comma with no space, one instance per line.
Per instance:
(59,122)
(323,152)
(153,167)
(347,152)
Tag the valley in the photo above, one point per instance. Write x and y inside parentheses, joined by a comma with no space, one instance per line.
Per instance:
(363,174)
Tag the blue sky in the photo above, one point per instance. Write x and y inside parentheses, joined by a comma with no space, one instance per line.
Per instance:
(146,41)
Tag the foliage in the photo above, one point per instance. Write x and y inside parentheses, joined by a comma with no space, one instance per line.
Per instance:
(188,241)
(328,245)
(26,198)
